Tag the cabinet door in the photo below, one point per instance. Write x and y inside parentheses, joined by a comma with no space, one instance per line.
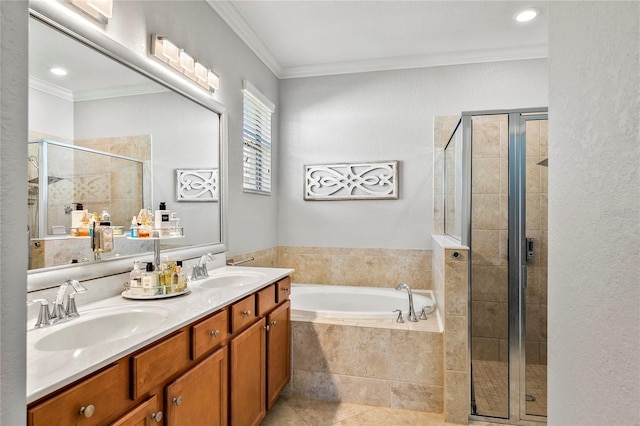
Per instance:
(145,414)
(248,380)
(199,396)
(278,352)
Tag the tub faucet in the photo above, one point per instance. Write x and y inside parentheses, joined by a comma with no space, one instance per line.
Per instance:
(200,270)
(412,313)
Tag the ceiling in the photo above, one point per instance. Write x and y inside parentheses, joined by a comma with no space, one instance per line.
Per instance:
(310,38)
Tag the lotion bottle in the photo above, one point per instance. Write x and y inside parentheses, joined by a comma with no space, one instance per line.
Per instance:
(162,216)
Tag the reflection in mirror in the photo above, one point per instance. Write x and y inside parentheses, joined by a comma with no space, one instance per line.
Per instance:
(453,184)
(109,137)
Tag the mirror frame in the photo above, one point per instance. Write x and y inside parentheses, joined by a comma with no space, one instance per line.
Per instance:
(85,31)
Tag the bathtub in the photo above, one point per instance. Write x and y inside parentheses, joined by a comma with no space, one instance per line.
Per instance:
(347,346)
(334,301)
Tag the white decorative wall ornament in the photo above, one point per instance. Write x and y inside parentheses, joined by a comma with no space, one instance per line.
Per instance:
(197,185)
(355,181)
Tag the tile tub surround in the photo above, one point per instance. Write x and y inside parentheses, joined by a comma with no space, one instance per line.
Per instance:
(451,292)
(361,267)
(391,365)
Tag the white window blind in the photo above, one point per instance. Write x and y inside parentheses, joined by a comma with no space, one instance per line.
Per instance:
(257,140)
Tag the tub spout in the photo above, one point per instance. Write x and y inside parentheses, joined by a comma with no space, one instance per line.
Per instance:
(412,313)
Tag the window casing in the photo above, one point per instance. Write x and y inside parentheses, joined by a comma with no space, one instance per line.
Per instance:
(257,141)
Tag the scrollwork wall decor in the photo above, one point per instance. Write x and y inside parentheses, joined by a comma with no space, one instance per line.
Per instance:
(197,185)
(355,181)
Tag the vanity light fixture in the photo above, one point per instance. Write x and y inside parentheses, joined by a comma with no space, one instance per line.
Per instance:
(527,15)
(99,9)
(169,53)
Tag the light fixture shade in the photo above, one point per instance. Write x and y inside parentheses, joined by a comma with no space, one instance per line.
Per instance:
(213,80)
(201,75)
(96,8)
(187,62)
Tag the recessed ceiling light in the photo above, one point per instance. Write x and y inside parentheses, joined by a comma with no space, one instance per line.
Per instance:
(58,71)
(527,15)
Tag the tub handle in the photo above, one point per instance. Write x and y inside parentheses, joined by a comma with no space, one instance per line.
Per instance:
(423,314)
(399,319)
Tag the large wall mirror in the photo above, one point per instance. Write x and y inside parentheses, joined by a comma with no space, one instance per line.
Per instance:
(112,133)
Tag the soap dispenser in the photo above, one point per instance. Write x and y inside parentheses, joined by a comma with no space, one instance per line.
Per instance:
(76,216)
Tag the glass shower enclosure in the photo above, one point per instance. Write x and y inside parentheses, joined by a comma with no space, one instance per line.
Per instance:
(497,163)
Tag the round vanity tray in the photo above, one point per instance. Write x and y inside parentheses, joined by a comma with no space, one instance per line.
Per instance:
(127,295)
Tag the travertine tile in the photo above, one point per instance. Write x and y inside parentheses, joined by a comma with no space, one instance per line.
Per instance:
(485,213)
(456,342)
(486,247)
(417,357)
(456,405)
(307,352)
(415,396)
(489,319)
(485,348)
(485,176)
(456,287)
(490,283)
(316,413)
(486,139)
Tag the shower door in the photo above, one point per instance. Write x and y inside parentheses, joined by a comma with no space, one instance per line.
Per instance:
(507,154)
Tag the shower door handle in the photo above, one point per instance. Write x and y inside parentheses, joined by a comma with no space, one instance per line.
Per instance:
(530,251)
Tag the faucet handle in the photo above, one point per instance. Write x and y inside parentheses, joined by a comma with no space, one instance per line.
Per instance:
(399,311)
(44,315)
(423,314)
(72,309)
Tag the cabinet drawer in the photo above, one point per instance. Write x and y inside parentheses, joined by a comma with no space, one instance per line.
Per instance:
(90,402)
(283,289)
(266,300)
(208,334)
(243,313)
(159,362)
(144,414)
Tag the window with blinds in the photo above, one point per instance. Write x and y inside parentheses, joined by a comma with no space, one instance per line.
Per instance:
(257,141)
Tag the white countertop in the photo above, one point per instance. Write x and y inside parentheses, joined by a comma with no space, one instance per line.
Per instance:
(48,371)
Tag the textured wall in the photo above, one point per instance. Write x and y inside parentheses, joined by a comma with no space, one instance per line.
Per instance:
(594,213)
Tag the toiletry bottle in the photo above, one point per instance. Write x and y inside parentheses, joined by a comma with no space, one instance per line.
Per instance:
(105,216)
(149,282)
(85,224)
(76,216)
(133,231)
(135,280)
(144,222)
(162,216)
(174,225)
(182,277)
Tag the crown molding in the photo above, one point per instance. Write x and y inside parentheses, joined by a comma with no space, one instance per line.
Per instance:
(241,27)
(418,61)
(51,89)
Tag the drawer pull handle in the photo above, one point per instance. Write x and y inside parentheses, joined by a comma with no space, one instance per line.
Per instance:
(246,313)
(157,417)
(286,289)
(87,411)
(177,400)
(273,323)
(266,327)
(214,333)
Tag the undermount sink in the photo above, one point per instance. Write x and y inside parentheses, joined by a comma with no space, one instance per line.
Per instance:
(232,279)
(104,326)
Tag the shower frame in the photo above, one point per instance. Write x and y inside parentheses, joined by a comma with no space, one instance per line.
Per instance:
(517,273)
(43,177)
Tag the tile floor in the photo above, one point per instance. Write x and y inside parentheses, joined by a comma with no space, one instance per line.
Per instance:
(491,384)
(297,411)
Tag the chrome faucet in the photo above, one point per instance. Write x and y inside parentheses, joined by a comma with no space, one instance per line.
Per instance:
(60,313)
(412,313)
(200,270)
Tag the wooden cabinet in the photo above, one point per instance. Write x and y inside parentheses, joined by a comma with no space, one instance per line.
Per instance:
(199,396)
(145,414)
(278,351)
(226,368)
(248,375)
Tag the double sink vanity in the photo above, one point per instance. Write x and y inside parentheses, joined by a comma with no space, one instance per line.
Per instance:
(218,355)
